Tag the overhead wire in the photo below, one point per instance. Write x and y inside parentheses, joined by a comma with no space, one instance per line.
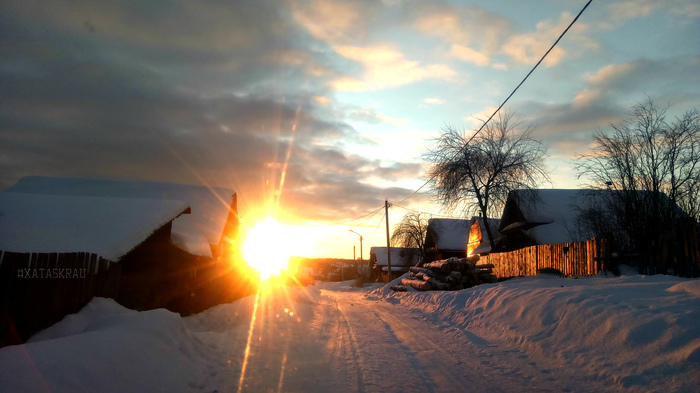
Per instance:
(347,221)
(346,232)
(506,100)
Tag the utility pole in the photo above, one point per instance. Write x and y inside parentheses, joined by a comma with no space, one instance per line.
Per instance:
(388,248)
(353,253)
(360,244)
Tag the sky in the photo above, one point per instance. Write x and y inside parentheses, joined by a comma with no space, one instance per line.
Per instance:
(318,111)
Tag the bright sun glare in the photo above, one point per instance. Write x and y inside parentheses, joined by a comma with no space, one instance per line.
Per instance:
(269,245)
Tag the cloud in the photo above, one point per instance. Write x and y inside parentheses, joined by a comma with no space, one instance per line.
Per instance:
(528,48)
(476,35)
(465,25)
(434,101)
(334,22)
(134,95)
(469,55)
(606,98)
(369,115)
(386,67)
(632,9)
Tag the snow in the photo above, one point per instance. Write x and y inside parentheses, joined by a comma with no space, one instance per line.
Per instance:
(450,233)
(193,232)
(632,333)
(109,227)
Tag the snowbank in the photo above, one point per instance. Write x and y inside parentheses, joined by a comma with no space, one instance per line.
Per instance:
(641,331)
(106,348)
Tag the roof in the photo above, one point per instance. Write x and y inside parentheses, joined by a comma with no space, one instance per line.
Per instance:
(547,216)
(193,233)
(552,216)
(399,256)
(449,233)
(108,227)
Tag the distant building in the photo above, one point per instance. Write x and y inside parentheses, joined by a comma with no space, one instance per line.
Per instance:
(401,260)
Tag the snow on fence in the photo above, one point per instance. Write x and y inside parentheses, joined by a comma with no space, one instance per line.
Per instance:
(572,259)
(39,289)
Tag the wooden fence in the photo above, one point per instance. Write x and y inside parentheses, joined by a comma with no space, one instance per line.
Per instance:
(38,290)
(577,258)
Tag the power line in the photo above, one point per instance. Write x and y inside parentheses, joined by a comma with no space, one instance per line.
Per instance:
(432,215)
(508,98)
(345,232)
(347,221)
(378,225)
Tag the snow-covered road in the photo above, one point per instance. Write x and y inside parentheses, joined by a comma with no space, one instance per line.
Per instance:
(622,334)
(346,342)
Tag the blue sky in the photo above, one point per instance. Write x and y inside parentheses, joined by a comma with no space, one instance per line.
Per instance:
(347,93)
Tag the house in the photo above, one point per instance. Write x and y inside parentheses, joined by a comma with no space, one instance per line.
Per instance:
(549,216)
(186,265)
(446,237)
(401,260)
(57,251)
(210,231)
(478,242)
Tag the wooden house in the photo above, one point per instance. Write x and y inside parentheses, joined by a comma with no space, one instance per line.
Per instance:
(57,252)
(401,260)
(186,265)
(547,216)
(446,237)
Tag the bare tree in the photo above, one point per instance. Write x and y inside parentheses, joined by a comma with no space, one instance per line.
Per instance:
(410,232)
(476,171)
(652,166)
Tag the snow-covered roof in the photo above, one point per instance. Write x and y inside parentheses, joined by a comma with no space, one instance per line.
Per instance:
(547,216)
(449,233)
(109,227)
(193,232)
(399,256)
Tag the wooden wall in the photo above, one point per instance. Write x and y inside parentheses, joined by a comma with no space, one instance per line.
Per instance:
(572,259)
(38,290)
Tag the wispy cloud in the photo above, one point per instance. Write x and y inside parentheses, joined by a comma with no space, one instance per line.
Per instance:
(528,48)
(387,67)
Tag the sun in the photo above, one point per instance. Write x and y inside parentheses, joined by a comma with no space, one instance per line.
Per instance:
(269,245)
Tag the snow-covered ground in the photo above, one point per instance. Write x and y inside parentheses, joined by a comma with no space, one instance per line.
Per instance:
(631,333)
